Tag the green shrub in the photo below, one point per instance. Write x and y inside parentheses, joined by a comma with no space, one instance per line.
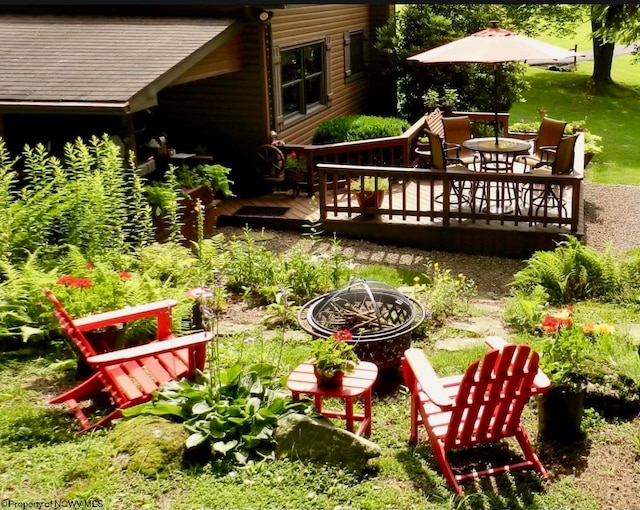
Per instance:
(572,272)
(235,411)
(358,127)
(524,310)
(256,271)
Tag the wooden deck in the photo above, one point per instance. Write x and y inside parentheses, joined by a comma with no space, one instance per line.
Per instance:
(411,214)
(425,224)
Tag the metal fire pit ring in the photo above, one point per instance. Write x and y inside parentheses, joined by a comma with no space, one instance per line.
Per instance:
(385,346)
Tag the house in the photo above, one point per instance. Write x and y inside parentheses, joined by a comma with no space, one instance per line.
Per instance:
(208,80)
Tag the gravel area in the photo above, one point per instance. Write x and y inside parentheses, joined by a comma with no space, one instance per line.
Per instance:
(611,216)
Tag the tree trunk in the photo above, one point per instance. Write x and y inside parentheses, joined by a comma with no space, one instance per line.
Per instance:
(602,56)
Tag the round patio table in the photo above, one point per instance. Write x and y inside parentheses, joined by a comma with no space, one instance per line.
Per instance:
(498,157)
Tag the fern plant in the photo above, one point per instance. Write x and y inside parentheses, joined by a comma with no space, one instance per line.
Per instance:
(571,272)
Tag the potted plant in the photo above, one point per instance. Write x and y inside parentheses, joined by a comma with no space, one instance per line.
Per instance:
(295,168)
(333,357)
(431,100)
(592,143)
(449,100)
(564,360)
(369,191)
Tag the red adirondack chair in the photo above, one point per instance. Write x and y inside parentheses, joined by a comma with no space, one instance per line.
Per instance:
(128,376)
(482,406)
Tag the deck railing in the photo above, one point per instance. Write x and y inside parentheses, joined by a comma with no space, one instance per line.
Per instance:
(395,151)
(417,195)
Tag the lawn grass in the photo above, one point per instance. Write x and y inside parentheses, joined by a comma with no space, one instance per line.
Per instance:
(609,111)
(42,459)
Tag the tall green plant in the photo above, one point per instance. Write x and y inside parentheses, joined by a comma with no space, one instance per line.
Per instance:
(90,198)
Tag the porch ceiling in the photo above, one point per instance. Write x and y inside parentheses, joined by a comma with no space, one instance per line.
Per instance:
(108,64)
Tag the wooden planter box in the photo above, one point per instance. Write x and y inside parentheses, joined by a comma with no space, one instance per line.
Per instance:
(188,215)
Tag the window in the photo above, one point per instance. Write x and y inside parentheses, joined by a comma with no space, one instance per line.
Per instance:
(303,75)
(355,53)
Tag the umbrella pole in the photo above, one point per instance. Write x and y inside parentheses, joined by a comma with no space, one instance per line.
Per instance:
(495,101)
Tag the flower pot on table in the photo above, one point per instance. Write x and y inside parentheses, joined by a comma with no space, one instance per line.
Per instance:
(326,381)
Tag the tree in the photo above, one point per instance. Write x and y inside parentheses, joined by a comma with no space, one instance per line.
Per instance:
(418,27)
(611,23)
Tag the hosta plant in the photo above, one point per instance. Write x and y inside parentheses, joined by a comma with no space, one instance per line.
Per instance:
(236,412)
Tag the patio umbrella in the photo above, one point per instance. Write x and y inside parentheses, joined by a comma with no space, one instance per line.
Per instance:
(495,46)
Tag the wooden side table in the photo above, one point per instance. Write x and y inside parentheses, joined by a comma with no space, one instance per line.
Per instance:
(354,385)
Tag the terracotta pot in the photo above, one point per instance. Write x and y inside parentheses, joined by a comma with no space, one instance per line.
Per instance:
(369,199)
(328,382)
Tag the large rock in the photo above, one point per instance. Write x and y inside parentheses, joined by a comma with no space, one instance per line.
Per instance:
(149,444)
(318,440)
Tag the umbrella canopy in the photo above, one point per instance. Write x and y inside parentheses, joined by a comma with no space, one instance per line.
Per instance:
(492,46)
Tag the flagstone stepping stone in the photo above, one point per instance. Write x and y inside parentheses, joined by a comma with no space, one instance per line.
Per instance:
(483,325)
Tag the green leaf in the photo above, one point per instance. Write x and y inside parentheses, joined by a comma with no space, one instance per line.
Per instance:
(201,408)
(195,439)
(231,375)
(224,446)
(28,332)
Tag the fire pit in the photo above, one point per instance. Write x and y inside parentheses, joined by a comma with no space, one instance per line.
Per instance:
(379,317)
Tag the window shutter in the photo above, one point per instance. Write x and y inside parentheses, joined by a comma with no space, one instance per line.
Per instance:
(327,74)
(347,54)
(276,61)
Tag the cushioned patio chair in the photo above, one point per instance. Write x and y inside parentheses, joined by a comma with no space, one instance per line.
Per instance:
(551,196)
(545,143)
(483,405)
(127,376)
(456,131)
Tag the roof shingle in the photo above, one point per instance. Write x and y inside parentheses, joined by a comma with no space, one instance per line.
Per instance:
(94,59)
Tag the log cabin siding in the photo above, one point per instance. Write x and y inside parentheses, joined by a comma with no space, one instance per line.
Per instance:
(298,25)
(227,114)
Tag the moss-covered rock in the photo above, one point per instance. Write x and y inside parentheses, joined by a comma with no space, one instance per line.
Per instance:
(149,444)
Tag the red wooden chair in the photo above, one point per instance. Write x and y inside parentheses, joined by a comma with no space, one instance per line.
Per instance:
(484,405)
(128,376)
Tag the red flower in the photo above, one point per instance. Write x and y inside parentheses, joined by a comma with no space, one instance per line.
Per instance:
(293,155)
(551,324)
(81,283)
(89,265)
(343,335)
(124,275)
(66,279)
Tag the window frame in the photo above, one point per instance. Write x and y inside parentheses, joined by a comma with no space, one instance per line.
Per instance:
(285,120)
(349,74)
